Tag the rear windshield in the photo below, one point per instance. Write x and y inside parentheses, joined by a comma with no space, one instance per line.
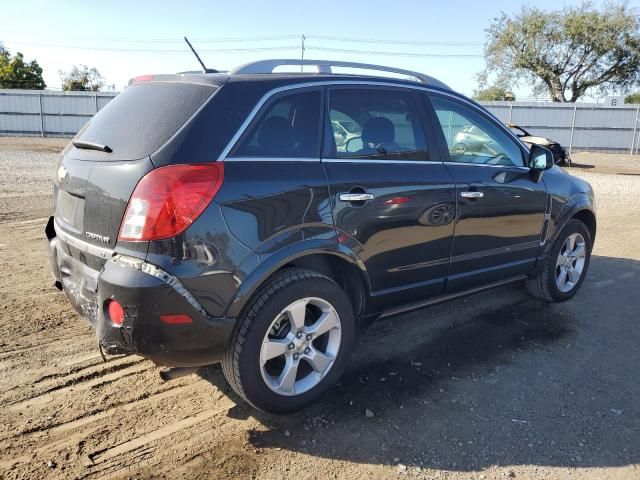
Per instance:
(143,117)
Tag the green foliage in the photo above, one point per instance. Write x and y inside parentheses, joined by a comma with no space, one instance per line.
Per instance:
(82,79)
(16,73)
(494,94)
(633,98)
(566,52)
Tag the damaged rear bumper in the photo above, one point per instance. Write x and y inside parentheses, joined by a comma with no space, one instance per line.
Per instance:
(145,293)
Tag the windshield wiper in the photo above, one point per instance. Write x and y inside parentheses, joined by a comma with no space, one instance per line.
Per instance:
(91,146)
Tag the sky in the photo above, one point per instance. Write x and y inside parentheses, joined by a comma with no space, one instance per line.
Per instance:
(123,39)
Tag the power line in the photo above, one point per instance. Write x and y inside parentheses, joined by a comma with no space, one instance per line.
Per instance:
(393,54)
(261,49)
(270,38)
(147,50)
(394,42)
(167,40)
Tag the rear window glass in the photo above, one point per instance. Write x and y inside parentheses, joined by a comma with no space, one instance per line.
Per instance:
(143,117)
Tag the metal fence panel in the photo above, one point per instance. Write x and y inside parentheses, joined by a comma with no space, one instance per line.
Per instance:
(579,126)
(46,113)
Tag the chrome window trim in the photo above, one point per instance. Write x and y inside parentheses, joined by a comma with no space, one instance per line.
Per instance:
(232,143)
(388,161)
(519,167)
(272,159)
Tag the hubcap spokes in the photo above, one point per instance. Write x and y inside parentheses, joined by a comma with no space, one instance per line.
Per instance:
(570,263)
(300,346)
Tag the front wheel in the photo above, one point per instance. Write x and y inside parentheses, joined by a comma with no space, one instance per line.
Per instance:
(565,267)
(292,343)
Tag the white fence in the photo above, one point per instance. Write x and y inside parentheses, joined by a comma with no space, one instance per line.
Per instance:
(579,126)
(46,113)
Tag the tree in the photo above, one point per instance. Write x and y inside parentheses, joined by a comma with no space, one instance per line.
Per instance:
(633,98)
(567,52)
(16,73)
(82,79)
(494,93)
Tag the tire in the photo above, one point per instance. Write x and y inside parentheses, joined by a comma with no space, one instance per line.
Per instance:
(546,285)
(269,319)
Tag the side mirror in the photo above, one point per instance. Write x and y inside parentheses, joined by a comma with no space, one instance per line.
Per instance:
(540,158)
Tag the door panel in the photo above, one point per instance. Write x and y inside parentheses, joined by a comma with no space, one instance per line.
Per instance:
(501,208)
(401,222)
(497,235)
(404,233)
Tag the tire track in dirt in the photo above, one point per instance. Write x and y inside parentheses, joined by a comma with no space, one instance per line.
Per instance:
(85,421)
(95,380)
(67,436)
(73,367)
(133,452)
(57,341)
(51,381)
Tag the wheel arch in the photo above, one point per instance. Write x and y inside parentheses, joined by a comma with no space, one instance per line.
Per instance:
(579,207)
(587,217)
(341,265)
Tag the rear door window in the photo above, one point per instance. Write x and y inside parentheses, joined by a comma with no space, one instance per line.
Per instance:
(143,117)
(289,127)
(376,124)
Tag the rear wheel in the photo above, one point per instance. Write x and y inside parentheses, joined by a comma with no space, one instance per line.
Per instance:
(292,343)
(565,267)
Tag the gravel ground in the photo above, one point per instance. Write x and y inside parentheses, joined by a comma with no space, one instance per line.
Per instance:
(495,386)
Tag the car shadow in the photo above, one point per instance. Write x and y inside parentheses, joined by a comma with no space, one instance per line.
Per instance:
(498,378)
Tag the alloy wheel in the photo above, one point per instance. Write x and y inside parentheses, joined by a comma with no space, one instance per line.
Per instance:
(300,346)
(570,262)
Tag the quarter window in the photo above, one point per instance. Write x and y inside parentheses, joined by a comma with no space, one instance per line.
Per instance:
(473,138)
(376,124)
(288,128)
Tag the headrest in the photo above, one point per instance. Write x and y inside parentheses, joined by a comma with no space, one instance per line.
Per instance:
(378,130)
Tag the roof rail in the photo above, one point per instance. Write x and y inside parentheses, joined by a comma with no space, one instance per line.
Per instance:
(325,66)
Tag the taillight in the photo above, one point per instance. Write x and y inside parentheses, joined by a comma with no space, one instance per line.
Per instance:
(168,199)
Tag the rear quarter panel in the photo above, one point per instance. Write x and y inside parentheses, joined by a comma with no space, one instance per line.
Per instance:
(262,209)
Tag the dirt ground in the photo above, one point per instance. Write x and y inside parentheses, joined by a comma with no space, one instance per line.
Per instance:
(494,386)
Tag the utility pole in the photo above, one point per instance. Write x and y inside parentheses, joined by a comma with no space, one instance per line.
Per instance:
(302,39)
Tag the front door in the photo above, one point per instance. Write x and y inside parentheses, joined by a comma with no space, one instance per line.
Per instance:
(500,206)
(393,198)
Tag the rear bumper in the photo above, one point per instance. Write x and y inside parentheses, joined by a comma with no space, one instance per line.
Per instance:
(145,293)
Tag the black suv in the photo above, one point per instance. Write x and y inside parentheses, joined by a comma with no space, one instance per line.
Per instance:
(261,219)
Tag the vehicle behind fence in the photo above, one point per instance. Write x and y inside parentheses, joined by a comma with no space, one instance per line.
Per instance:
(577,126)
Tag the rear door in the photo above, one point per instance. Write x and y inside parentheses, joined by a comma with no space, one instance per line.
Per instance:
(501,208)
(392,196)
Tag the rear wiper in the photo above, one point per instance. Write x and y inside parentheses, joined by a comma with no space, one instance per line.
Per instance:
(91,146)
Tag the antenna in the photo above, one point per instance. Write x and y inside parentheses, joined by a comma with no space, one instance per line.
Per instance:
(204,69)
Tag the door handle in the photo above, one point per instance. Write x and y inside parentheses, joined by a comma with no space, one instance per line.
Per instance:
(355,197)
(472,194)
